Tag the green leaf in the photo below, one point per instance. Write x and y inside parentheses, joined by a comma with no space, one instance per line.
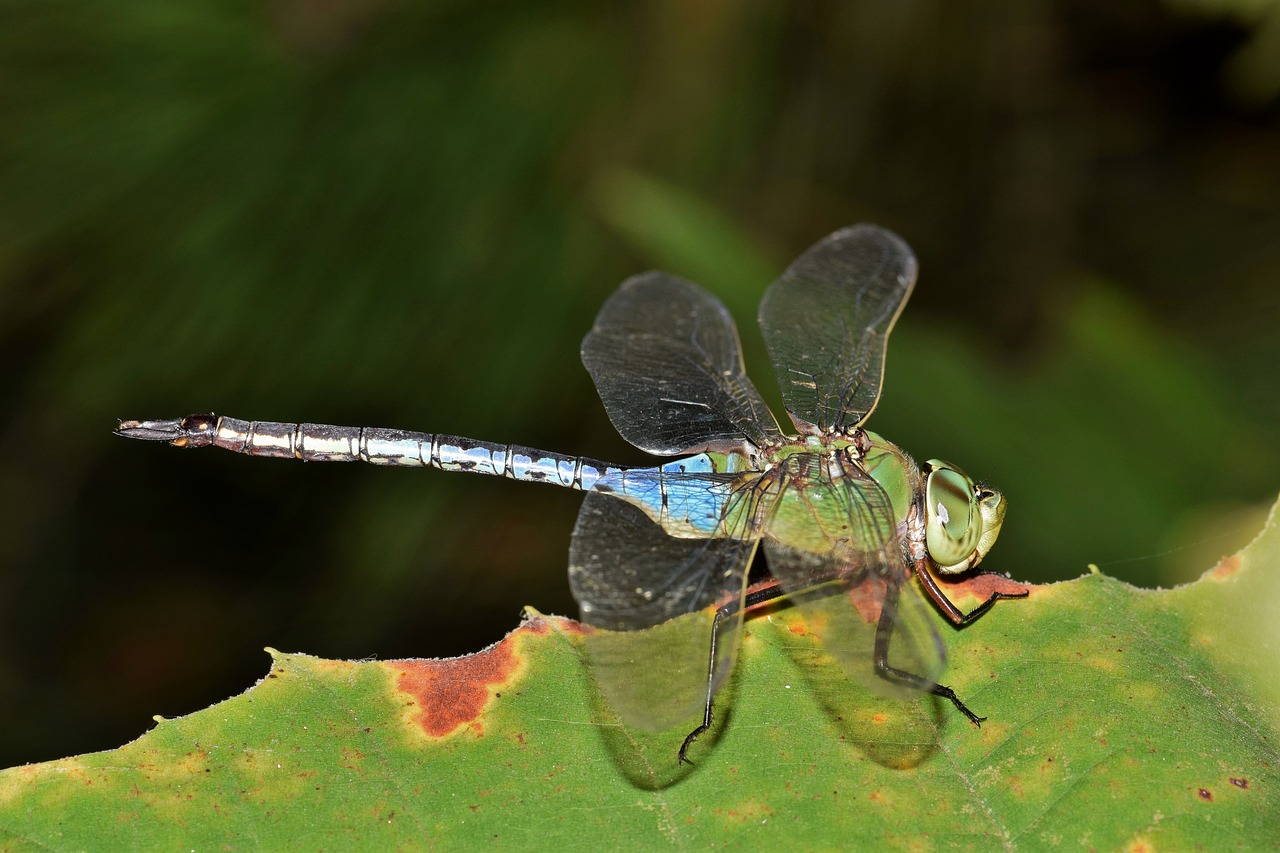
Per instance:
(1118,718)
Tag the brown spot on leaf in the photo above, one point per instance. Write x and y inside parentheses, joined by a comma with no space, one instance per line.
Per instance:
(747,812)
(351,758)
(1240,783)
(576,628)
(1226,567)
(982,585)
(1206,795)
(446,695)
(868,598)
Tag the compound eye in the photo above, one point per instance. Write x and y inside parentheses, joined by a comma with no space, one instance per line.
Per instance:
(953,524)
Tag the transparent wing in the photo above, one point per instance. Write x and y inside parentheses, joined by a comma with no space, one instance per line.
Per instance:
(826,322)
(845,584)
(652,599)
(665,358)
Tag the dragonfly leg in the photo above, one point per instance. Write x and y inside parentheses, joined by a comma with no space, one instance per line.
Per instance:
(753,598)
(711,674)
(957,616)
(884,631)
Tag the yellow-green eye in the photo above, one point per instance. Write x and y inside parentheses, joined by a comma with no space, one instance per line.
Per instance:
(953,523)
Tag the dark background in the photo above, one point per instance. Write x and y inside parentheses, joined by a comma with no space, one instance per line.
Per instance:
(394,214)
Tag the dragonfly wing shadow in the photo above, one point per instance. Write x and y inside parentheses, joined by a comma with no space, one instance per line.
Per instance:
(652,599)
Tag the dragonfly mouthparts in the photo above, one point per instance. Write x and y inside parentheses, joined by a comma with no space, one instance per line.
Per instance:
(151,430)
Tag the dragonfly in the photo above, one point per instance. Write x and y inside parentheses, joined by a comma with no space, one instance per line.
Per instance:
(660,555)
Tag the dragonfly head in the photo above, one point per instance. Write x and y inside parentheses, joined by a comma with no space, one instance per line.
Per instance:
(962,519)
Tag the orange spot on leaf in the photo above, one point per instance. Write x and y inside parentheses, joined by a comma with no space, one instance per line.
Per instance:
(1226,567)
(868,598)
(982,585)
(576,628)
(449,694)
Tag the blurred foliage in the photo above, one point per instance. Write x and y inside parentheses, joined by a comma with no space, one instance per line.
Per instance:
(363,211)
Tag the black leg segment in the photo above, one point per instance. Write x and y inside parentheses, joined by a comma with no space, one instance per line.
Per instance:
(884,631)
(752,599)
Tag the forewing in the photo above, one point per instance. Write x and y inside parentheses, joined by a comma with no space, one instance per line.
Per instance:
(665,358)
(826,323)
(845,587)
(651,598)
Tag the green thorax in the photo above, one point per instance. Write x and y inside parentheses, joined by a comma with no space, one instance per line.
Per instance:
(811,494)
(826,505)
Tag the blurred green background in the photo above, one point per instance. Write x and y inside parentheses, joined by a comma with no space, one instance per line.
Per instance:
(383,213)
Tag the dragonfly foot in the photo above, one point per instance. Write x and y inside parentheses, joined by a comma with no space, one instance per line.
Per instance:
(949,694)
(688,742)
